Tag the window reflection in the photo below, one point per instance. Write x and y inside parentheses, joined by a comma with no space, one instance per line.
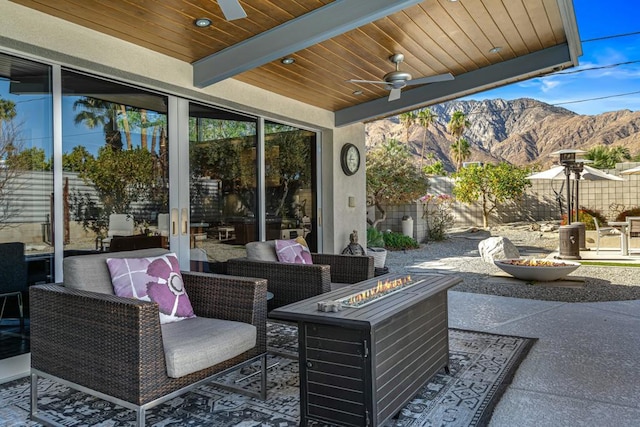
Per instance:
(223,174)
(289,180)
(115,163)
(26,183)
(224,188)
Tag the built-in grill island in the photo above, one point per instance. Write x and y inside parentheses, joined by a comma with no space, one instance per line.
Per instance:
(360,366)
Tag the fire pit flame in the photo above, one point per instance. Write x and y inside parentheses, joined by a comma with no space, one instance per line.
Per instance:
(381,290)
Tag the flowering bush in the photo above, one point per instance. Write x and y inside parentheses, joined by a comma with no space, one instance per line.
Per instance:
(437,210)
(585,216)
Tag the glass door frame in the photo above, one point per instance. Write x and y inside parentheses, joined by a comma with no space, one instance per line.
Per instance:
(179,177)
(179,222)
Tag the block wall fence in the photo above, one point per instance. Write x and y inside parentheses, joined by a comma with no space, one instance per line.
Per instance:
(539,203)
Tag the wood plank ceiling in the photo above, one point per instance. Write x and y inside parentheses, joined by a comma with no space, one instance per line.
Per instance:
(435,36)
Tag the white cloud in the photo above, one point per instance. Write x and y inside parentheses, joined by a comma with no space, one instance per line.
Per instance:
(549,84)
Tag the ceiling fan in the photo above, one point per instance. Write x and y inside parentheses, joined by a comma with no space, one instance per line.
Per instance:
(396,80)
(231,9)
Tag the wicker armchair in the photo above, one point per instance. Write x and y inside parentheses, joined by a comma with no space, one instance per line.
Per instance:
(294,282)
(13,276)
(634,232)
(112,347)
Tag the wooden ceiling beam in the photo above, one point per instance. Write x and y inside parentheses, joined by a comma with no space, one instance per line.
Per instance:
(521,68)
(314,27)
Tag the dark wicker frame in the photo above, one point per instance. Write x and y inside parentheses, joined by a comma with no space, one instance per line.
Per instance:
(294,282)
(13,276)
(113,345)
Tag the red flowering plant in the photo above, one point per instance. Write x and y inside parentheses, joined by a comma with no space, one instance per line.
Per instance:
(437,210)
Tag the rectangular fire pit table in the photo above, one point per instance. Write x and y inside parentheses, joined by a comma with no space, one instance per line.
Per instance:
(360,366)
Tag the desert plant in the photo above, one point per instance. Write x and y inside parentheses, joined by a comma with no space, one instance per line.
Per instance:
(586,216)
(392,178)
(622,216)
(437,211)
(460,149)
(398,241)
(491,185)
(606,157)
(374,238)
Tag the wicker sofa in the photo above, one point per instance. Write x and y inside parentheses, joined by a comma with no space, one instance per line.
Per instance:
(294,282)
(86,337)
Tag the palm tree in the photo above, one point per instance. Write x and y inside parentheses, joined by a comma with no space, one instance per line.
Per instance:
(7,112)
(408,119)
(619,154)
(604,157)
(460,152)
(96,112)
(456,127)
(425,119)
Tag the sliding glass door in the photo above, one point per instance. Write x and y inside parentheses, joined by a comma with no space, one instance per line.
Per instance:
(26,185)
(290,203)
(223,188)
(248,179)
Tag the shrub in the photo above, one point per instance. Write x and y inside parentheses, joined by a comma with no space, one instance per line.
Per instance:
(374,238)
(437,210)
(398,241)
(586,216)
(622,216)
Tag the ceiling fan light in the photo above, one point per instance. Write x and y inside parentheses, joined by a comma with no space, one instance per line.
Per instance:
(288,60)
(202,22)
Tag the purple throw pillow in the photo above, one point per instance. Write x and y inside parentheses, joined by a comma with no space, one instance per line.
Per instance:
(156,279)
(292,252)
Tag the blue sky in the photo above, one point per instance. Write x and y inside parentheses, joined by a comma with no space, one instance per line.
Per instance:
(596,19)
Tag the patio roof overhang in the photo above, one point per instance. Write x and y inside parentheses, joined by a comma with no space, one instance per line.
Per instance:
(335,41)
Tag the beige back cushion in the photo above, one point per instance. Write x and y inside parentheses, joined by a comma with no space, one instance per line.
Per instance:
(90,272)
(262,251)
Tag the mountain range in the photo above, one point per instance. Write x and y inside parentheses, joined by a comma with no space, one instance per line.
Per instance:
(521,131)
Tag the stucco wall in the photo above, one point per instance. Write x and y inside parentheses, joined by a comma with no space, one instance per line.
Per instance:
(342,187)
(538,204)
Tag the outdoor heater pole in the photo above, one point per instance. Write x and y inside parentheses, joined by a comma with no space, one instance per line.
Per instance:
(577,178)
(567,172)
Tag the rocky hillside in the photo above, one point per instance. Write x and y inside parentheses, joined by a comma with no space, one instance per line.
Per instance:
(522,131)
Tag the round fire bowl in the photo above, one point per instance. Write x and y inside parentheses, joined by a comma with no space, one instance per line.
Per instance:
(544,271)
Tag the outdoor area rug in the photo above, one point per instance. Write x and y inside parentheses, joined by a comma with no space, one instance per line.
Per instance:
(482,366)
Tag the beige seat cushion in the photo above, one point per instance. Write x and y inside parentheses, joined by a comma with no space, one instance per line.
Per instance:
(262,251)
(90,272)
(198,343)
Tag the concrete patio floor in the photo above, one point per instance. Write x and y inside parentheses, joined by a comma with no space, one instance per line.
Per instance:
(606,255)
(582,371)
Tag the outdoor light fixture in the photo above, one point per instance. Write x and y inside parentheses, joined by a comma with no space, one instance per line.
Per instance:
(495,49)
(357,92)
(571,164)
(288,60)
(202,22)
(572,238)
(567,156)
(568,160)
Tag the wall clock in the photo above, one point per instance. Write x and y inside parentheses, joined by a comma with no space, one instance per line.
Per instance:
(350,159)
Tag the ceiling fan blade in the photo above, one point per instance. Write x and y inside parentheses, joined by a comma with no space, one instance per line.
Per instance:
(367,81)
(394,94)
(432,79)
(232,9)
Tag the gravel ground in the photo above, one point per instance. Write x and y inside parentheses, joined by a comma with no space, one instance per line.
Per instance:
(459,255)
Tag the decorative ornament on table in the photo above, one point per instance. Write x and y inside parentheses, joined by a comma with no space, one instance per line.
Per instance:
(354,248)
